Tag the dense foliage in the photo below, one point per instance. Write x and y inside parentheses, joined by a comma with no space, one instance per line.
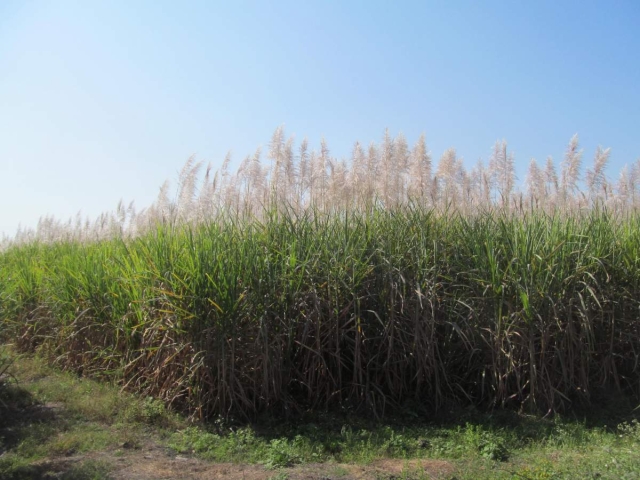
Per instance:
(364,310)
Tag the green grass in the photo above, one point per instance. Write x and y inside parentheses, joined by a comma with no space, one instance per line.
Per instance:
(509,440)
(47,414)
(13,468)
(532,449)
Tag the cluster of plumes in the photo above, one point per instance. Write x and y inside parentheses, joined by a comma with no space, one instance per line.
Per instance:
(389,175)
(392,175)
(124,222)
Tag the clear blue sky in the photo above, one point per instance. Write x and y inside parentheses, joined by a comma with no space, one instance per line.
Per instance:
(105,100)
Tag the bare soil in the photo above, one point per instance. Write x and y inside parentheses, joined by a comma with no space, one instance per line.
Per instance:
(156,464)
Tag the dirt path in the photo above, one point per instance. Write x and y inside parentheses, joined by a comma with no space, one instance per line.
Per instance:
(150,460)
(161,467)
(155,463)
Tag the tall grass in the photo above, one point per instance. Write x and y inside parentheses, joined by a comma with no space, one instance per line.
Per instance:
(319,284)
(362,310)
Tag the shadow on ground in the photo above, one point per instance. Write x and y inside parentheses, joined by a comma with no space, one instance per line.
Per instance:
(25,422)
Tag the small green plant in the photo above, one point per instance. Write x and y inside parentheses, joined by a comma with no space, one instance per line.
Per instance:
(630,429)
(493,449)
(153,410)
(282,453)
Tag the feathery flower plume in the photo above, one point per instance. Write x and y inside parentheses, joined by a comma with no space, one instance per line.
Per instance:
(535,182)
(501,166)
(400,169)
(570,171)
(420,172)
(303,172)
(596,179)
(447,175)
(386,168)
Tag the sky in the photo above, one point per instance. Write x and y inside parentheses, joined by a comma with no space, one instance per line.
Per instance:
(102,101)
